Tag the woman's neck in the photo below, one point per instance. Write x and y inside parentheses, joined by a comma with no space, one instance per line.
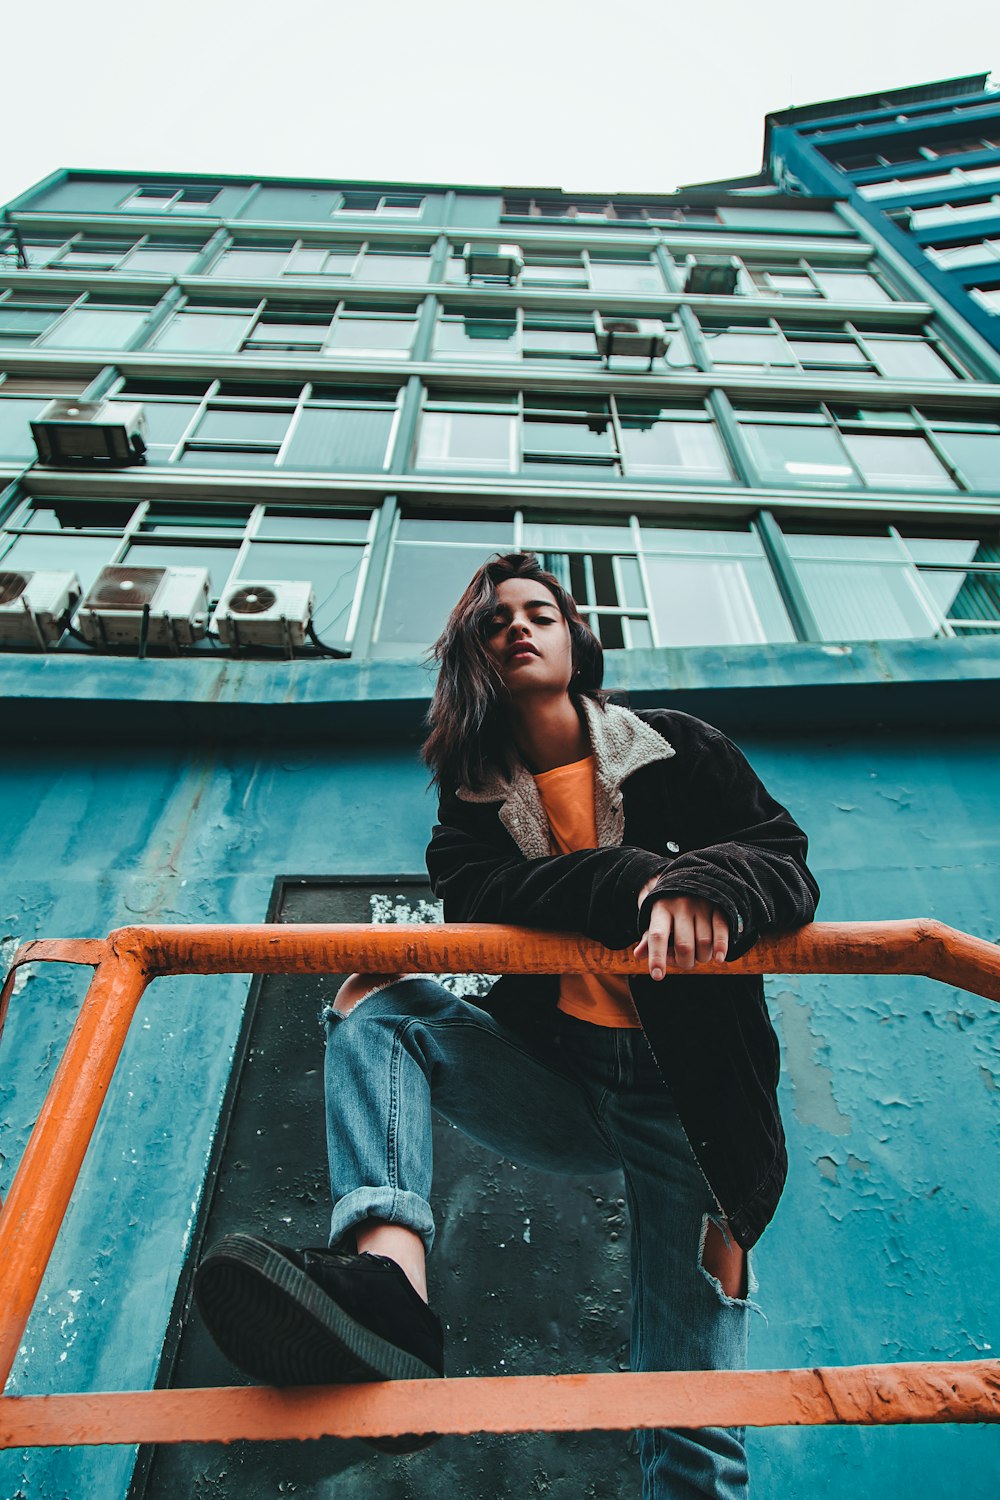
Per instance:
(550,732)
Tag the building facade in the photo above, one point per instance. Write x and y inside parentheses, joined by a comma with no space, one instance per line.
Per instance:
(758,437)
(921,167)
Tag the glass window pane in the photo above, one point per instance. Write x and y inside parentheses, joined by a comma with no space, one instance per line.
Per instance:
(336,438)
(231,425)
(250,265)
(965,596)
(165,518)
(217,559)
(907,359)
(382,337)
(76,515)
(495,531)
(850,286)
(865,603)
(424,583)
(977,455)
(556,343)
(95,328)
(477,338)
(83,555)
(827,351)
(194,332)
(798,455)
(324,525)
(690,542)
(847,548)
(168,262)
(625,276)
(394,268)
(895,459)
(742,347)
(715,602)
(166,424)
(467,440)
(565,536)
(332,570)
(578,438)
(683,450)
(15,434)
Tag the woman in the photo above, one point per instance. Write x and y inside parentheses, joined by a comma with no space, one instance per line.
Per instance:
(557,811)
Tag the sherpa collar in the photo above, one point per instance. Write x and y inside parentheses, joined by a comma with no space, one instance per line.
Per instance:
(622,744)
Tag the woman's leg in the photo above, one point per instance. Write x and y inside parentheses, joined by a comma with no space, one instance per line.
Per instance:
(682,1318)
(396,1049)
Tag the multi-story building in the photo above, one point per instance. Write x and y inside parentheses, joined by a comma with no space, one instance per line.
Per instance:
(761,448)
(921,167)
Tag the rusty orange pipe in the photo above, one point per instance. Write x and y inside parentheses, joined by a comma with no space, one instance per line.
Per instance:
(916,946)
(862,1395)
(39,1195)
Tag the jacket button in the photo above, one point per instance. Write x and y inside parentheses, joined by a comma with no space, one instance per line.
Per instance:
(673,848)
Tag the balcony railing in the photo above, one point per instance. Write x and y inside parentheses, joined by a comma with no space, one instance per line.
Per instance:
(130,958)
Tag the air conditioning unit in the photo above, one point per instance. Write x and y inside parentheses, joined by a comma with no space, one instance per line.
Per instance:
(265,612)
(712,276)
(72,433)
(643,337)
(35,608)
(493,260)
(114,611)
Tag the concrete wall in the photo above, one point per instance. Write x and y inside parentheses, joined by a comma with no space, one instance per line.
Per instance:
(882,1247)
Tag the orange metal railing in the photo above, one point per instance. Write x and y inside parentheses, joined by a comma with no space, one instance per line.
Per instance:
(131,957)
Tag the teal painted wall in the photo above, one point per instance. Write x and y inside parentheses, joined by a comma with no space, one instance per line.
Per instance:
(882,1244)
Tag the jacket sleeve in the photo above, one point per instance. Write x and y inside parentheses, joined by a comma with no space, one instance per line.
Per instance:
(752,863)
(593,891)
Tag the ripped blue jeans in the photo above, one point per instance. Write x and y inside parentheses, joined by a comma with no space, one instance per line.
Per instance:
(592,1100)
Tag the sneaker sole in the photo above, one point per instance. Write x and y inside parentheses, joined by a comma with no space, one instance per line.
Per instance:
(277,1325)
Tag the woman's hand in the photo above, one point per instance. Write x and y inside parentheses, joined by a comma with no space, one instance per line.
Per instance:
(682,931)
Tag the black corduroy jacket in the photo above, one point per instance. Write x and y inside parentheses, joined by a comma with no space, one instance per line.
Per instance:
(675,799)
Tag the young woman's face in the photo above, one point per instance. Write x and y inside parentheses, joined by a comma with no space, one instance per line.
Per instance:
(529,640)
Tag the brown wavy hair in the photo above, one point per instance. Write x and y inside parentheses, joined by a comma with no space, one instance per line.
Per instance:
(468,721)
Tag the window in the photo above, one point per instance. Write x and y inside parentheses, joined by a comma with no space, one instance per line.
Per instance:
(474,433)
(558,436)
(610,271)
(605,210)
(636,584)
(957,177)
(201,328)
(152,199)
(325,546)
(396,265)
(987,296)
(239,425)
(953,213)
(850,348)
(801,278)
(397,205)
(68,321)
(846,447)
(498,333)
(22,399)
(671,440)
(148,255)
(431,562)
(965,253)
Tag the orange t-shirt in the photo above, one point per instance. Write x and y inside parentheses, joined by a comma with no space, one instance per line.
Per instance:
(567,794)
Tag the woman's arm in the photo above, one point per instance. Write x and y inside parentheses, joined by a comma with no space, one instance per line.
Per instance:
(751,860)
(594,891)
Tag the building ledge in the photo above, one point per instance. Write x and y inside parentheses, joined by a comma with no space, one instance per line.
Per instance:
(173,701)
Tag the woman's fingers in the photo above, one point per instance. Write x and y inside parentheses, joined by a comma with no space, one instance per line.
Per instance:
(683,931)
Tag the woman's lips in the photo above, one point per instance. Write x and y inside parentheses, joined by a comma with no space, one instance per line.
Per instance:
(521,651)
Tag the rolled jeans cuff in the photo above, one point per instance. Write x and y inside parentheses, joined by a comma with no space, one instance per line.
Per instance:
(389,1206)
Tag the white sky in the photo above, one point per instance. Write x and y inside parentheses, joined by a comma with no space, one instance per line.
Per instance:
(609,95)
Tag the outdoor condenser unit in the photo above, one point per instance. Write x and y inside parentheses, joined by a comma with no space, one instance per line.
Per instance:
(72,433)
(35,608)
(168,607)
(265,612)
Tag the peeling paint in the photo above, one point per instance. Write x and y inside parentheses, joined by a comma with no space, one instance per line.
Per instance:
(812,1080)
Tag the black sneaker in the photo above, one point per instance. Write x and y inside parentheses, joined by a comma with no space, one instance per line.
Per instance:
(318,1317)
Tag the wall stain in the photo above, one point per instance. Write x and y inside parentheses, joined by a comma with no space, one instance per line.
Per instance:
(812,1081)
